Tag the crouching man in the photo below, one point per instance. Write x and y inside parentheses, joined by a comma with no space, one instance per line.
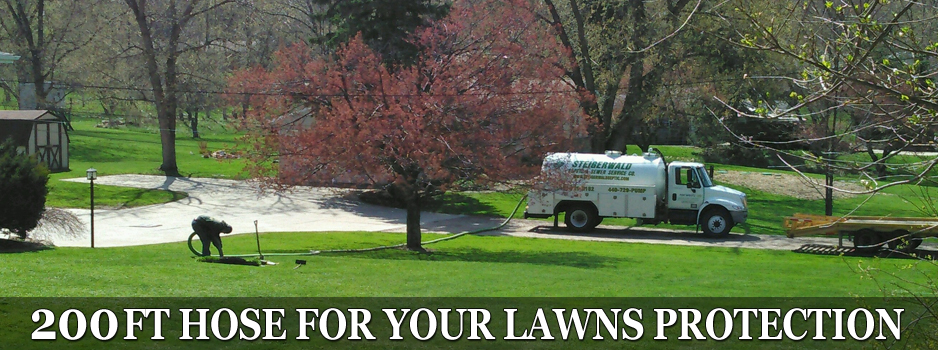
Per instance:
(209,230)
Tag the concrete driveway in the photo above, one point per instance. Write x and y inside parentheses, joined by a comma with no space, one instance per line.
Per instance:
(324,209)
(239,203)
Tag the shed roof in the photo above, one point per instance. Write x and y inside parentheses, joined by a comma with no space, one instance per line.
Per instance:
(17,125)
(22,114)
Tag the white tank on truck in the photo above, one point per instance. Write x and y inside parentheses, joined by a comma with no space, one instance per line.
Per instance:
(589,187)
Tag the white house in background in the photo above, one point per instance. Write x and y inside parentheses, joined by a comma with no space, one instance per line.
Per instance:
(27,91)
(7,58)
(27,96)
(39,133)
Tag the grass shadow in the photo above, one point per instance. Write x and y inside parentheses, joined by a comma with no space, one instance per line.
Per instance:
(639,232)
(568,259)
(15,246)
(230,261)
(91,153)
(458,203)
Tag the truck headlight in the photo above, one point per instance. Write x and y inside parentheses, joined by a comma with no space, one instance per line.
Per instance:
(745,204)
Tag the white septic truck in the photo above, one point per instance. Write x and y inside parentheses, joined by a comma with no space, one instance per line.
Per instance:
(642,187)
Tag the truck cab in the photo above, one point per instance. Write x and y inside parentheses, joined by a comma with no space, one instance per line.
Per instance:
(693,198)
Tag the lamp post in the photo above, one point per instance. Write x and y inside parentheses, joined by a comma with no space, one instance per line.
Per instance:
(92,175)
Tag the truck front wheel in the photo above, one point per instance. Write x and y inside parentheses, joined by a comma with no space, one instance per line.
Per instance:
(717,222)
(581,218)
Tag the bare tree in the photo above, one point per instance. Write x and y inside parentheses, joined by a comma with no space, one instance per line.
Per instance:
(58,223)
(619,53)
(163,40)
(306,20)
(45,33)
(867,81)
(872,64)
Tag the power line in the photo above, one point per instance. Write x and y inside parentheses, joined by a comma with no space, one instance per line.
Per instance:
(299,94)
(312,95)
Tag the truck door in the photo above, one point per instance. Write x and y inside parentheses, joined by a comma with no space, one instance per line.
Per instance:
(685,189)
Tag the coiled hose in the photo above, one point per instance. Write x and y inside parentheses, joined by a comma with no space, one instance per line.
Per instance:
(372,249)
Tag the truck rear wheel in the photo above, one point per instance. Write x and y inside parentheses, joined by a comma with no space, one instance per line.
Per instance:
(717,222)
(866,240)
(581,217)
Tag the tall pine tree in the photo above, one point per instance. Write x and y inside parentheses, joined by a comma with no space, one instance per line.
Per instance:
(385,25)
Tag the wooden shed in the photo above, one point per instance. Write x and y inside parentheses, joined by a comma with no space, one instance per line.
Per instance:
(39,133)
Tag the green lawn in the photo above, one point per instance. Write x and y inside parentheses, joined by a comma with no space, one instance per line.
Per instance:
(130,150)
(472,266)
(503,272)
(66,194)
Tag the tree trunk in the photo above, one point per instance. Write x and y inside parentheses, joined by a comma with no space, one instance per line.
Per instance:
(604,134)
(408,194)
(194,123)
(168,141)
(880,168)
(413,224)
(164,96)
(597,142)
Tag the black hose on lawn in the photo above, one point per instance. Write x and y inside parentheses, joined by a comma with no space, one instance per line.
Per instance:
(372,249)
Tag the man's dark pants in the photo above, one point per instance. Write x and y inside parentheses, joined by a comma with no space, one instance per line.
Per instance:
(207,238)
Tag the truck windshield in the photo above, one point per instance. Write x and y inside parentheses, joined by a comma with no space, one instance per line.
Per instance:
(704,178)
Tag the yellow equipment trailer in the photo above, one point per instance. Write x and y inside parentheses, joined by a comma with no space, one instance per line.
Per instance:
(866,232)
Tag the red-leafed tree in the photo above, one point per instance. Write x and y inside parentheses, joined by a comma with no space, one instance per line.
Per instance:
(483,102)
